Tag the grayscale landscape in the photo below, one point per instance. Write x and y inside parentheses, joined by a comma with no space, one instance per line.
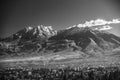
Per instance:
(82,43)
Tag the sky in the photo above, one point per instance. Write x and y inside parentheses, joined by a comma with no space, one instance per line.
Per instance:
(18,14)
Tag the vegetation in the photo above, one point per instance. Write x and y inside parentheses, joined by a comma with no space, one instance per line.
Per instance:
(77,73)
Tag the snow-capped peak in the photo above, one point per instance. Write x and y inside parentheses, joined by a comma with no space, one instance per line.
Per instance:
(29,28)
(47,29)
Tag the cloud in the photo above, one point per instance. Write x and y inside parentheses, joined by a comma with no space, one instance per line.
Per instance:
(102,24)
(106,27)
(98,22)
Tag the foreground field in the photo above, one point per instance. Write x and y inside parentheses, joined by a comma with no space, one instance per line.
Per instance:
(66,66)
(60,60)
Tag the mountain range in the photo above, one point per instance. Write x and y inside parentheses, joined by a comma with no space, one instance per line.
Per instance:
(44,39)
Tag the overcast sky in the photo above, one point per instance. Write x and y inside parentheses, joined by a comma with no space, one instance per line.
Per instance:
(17,14)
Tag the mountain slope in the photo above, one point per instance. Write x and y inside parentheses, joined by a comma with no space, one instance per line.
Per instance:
(42,40)
(82,36)
(27,39)
(30,33)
